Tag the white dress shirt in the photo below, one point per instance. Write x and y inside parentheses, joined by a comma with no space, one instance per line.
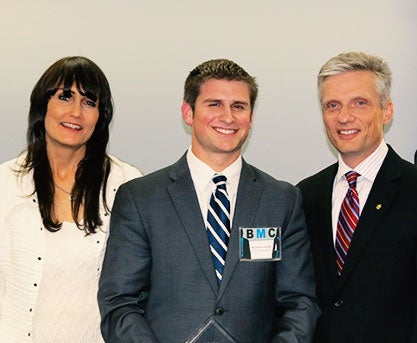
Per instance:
(202,176)
(368,169)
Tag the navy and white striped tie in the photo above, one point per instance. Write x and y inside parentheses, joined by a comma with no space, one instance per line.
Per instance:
(218,224)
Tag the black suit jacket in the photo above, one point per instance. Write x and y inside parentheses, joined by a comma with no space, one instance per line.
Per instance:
(374,299)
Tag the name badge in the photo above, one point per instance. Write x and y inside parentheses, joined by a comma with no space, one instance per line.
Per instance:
(260,243)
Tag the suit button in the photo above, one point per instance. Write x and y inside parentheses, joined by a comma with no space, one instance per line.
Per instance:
(219,311)
(338,303)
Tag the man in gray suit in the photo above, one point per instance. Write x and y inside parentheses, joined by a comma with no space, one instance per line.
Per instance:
(163,279)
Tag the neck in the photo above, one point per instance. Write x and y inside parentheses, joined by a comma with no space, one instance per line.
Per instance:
(217,162)
(64,166)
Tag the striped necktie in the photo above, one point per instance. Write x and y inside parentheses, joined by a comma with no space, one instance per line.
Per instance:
(348,219)
(218,224)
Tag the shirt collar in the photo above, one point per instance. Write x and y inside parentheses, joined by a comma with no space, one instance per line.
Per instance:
(202,174)
(368,168)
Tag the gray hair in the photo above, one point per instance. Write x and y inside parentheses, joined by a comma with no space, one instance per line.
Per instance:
(354,61)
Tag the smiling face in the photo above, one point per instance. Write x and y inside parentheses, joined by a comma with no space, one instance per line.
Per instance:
(70,119)
(220,122)
(353,115)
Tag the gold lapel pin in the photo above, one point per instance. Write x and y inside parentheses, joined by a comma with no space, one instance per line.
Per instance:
(379,206)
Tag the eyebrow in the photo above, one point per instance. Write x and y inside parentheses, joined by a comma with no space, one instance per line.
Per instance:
(87,94)
(242,102)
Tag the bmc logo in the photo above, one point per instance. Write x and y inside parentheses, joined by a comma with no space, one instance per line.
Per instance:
(259,233)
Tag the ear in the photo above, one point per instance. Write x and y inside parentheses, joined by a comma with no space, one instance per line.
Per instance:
(388,112)
(187,113)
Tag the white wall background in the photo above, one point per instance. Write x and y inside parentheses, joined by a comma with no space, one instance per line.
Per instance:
(146,49)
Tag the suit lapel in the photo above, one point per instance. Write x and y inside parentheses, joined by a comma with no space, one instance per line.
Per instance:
(378,203)
(185,200)
(248,197)
(325,225)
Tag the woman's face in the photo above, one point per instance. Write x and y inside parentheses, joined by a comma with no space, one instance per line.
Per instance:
(71,117)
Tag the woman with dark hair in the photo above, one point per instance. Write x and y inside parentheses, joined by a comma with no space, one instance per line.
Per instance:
(54,209)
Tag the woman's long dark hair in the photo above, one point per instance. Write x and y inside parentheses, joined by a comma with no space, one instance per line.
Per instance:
(93,170)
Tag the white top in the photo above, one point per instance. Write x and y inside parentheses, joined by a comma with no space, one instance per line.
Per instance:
(368,169)
(48,281)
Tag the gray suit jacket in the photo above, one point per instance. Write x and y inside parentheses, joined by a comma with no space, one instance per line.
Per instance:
(158,282)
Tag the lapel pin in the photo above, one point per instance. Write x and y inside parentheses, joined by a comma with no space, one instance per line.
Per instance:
(379,206)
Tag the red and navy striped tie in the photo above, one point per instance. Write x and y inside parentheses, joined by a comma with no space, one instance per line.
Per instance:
(348,219)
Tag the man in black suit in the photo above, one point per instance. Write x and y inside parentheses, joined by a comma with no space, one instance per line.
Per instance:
(370,296)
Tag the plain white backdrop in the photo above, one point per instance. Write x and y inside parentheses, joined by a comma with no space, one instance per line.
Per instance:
(147,48)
